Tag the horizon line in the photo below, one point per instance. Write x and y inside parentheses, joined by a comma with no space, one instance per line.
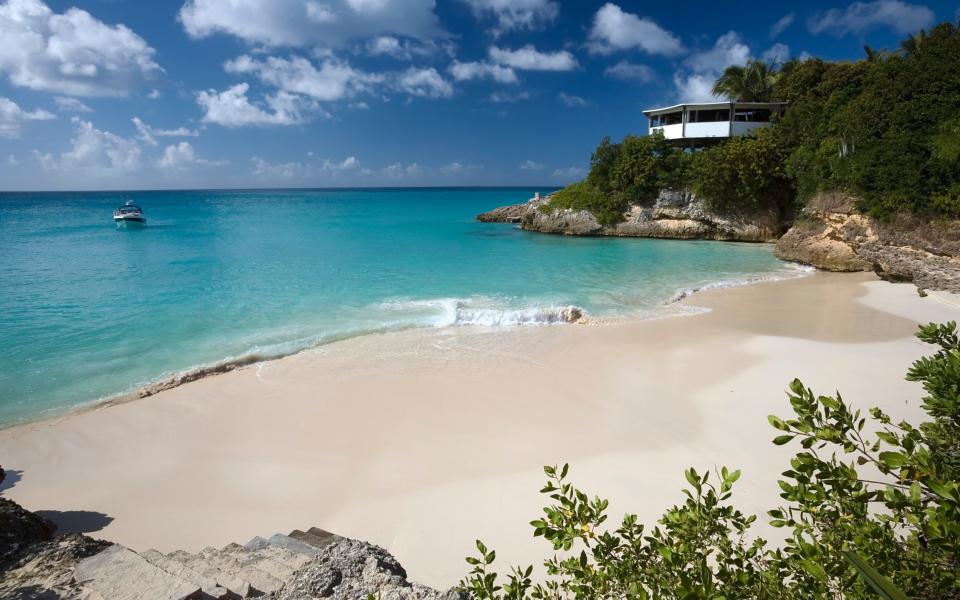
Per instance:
(283,189)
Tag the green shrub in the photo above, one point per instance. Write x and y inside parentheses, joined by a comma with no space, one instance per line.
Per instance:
(742,174)
(607,208)
(866,513)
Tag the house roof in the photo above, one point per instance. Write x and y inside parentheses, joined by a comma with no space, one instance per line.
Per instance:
(708,105)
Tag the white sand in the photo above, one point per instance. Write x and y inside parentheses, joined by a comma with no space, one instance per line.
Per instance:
(423,441)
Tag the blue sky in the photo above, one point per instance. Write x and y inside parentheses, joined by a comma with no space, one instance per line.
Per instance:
(133,94)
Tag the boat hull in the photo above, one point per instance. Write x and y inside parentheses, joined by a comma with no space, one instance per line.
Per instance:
(130,223)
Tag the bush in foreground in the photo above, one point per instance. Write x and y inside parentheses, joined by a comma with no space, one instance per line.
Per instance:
(869,515)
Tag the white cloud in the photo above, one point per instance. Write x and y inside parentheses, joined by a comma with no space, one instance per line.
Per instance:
(628,71)
(778,53)
(12,118)
(508,98)
(426,83)
(899,16)
(406,49)
(334,80)
(348,164)
(466,71)
(327,23)
(95,153)
(529,165)
(529,58)
(570,173)
(71,105)
(70,53)
(781,25)
(516,14)
(263,169)
(695,81)
(12,161)
(232,108)
(149,134)
(182,157)
(572,101)
(457,168)
(613,30)
(399,171)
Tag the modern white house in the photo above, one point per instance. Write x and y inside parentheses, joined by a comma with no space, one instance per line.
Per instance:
(703,123)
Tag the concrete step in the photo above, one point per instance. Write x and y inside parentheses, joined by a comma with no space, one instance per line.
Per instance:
(208,585)
(119,573)
(260,580)
(286,542)
(198,564)
(318,538)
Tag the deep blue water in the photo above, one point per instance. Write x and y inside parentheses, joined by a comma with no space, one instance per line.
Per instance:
(88,311)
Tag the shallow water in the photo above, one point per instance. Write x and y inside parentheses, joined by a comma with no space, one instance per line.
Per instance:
(88,311)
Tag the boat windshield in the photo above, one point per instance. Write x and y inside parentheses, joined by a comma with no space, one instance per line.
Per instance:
(130,209)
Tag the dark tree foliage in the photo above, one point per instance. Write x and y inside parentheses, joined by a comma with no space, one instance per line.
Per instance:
(872,127)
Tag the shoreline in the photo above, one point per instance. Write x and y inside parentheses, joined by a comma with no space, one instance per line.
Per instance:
(422,441)
(169,381)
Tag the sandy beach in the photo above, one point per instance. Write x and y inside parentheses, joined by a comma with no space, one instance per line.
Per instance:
(422,441)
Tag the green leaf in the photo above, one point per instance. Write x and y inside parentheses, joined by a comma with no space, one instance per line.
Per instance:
(777,423)
(780,440)
(893,459)
(880,584)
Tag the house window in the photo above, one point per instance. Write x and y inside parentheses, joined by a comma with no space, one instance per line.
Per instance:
(674,118)
(709,116)
(753,115)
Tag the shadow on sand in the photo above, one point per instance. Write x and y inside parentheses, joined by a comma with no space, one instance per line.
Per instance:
(76,521)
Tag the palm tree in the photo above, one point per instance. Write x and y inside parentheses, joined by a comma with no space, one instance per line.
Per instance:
(914,41)
(753,82)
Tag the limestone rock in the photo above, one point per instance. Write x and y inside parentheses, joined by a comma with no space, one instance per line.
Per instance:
(19,529)
(830,234)
(352,570)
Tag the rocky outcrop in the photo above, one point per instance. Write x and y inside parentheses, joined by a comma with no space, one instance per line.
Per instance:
(350,570)
(675,215)
(303,565)
(831,234)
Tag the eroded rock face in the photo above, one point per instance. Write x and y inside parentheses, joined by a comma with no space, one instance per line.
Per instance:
(352,570)
(676,215)
(830,234)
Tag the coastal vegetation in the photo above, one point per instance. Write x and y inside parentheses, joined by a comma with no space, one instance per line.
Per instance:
(883,129)
(871,507)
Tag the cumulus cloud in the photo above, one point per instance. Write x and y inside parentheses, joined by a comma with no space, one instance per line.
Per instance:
(148,134)
(466,71)
(12,118)
(71,105)
(406,49)
(334,80)
(400,171)
(778,53)
(529,165)
(182,157)
(425,83)
(516,14)
(71,53)
(509,98)
(695,81)
(232,108)
(569,173)
(331,23)
(528,58)
(627,71)
(613,30)
(263,169)
(899,16)
(572,101)
(781,25)
(94,152)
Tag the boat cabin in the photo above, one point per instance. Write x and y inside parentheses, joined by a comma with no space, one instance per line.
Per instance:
(697,125)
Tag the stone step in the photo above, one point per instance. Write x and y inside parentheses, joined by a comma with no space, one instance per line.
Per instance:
(196,563)
(119,573)
(286,542)
(260,580)
(279,562)
(318,538)
(271,563)
(208,585)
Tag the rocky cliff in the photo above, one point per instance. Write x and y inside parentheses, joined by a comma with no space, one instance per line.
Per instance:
(830,234)
(675,215)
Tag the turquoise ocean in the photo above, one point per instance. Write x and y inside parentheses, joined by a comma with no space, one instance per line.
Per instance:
(88,311)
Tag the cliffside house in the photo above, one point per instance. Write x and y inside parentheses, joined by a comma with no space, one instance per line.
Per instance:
(698,125)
